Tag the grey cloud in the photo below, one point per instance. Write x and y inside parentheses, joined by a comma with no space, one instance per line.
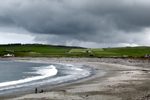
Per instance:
(101,21)
(4,21)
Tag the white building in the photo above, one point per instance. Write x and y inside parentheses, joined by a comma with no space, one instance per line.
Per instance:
(9,55)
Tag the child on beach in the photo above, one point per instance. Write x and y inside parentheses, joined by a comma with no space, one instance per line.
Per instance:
(35,90)
(41,91)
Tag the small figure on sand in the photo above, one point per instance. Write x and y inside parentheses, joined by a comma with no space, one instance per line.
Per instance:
(35,90)
(41,91)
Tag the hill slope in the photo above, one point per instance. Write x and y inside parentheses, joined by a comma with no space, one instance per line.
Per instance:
(64,51)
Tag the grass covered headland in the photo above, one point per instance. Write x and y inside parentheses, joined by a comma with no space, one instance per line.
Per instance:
(39,50)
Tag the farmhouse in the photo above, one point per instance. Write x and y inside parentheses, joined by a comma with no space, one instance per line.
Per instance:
(147,55)
(125,55)
(9,55)
(9,50)
(88,51)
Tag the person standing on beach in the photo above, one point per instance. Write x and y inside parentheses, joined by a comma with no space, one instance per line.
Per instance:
(35,90)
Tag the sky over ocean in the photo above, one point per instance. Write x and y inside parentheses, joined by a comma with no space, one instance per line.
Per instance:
(86,23)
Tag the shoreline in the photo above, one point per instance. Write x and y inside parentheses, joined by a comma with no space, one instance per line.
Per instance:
(124,79)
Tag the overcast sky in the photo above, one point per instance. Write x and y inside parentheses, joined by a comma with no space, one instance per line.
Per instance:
(86,23)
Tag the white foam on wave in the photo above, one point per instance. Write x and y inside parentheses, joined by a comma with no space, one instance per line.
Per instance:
(45,72)
(78,71)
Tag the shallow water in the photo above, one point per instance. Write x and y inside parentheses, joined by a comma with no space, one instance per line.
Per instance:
(18,77)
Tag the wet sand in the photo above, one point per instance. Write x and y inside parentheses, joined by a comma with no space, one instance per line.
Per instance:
(125,79)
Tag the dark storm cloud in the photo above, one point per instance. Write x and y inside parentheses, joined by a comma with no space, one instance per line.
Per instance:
(101,21)
(5,21)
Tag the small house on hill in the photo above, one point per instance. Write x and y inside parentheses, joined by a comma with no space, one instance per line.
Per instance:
(147,55)
(9,55)
(9,50)
(88,51)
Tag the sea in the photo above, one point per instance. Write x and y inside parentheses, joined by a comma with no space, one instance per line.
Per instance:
(18,77)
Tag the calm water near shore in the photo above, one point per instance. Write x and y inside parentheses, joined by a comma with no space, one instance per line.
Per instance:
(18,77)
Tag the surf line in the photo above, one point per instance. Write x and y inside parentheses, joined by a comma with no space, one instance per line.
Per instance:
(45,72)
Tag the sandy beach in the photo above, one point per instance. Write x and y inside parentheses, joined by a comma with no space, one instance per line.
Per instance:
(125,79)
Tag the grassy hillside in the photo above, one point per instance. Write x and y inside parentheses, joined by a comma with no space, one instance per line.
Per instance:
(116,52)
(64,51)
(35,50)
(81,50)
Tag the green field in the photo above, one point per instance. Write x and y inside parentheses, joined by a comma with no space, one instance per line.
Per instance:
(37,50)
(80,50)
(64,51)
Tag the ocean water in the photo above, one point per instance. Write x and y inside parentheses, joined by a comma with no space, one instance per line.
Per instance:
(19,77)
